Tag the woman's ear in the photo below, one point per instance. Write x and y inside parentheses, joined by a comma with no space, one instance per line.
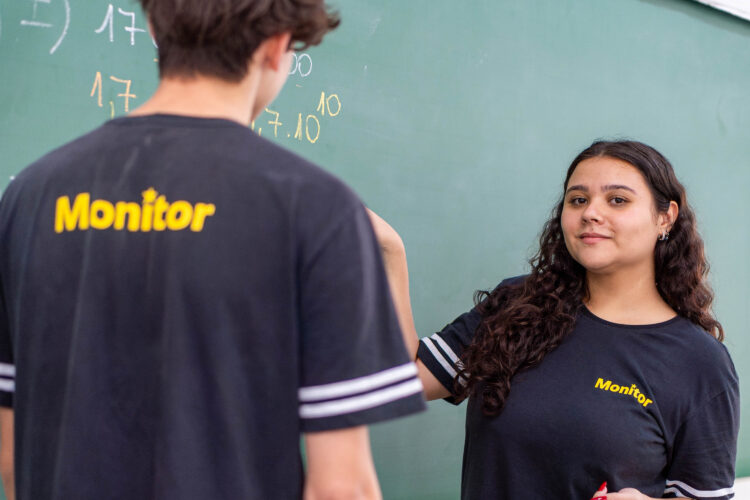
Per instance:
(668,218)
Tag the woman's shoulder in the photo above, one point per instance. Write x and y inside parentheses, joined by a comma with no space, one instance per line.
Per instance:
(490,300)
(511,282)
(695,337)
(699,353)
(515,280)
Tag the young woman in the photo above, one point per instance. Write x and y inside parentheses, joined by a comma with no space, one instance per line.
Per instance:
(604,364)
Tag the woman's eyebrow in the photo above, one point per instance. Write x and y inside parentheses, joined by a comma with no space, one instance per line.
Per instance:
(608,187)
(614,187)
(577,187)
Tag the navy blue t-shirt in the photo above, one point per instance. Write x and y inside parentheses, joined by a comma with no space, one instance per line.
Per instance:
(651,407)
(180,300)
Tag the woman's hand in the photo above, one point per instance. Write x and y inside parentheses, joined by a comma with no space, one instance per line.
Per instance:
(627,494)
(623,494)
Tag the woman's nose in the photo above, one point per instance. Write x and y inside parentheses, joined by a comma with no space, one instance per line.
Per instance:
(592,212)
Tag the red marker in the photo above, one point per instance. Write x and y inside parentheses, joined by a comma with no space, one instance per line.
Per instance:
(603,488)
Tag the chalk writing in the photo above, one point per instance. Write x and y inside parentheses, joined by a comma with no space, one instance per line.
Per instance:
(308,125)
(96,89)
(114,93)
(131,29)
(325,104)
(109,22)
(301,65)
(275,122)
(126,95)
(298,132)
(35,22)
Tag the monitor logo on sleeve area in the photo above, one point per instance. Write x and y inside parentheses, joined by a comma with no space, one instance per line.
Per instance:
(625,390)
(154,213)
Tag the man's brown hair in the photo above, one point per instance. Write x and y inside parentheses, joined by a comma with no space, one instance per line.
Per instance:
(218,37)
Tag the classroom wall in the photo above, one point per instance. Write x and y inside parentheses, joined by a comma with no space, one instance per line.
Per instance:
(456,123)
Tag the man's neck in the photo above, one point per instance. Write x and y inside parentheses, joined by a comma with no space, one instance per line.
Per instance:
(203,97)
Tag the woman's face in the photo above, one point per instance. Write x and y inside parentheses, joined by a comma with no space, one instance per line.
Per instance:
(609,218)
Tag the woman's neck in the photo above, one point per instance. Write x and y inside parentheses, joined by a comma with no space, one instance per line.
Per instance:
(629,298)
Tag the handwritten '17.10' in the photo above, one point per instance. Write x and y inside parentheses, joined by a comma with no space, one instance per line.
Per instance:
(308,127)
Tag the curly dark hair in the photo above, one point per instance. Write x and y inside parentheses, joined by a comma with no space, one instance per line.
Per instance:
(218,37)
(524,321)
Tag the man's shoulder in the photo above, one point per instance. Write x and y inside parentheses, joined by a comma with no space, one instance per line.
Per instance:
(284,165)
(311,183)
(185,146)
(53,163)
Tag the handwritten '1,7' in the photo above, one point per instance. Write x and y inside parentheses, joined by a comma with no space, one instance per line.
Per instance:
(126,95)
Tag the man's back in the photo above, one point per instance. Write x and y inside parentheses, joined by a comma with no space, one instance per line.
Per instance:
(183,299)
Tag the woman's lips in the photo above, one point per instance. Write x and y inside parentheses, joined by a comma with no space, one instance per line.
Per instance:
(591,238)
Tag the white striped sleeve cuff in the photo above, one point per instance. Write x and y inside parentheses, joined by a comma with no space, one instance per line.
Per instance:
(444,355)
(684,490)
(359,394)
(7,378)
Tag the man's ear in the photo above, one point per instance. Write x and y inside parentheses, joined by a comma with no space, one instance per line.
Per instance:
(272,50)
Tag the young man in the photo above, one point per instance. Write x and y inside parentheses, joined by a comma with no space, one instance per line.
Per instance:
(180,299)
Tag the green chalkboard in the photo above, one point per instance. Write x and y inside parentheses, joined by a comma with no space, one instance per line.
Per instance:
(455,121)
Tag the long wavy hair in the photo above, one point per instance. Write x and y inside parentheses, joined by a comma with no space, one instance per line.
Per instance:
(523,322)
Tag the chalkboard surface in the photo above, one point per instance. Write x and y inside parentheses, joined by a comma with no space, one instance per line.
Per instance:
(455,121)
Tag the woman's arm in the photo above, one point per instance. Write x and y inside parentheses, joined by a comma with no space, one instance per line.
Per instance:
(396,268)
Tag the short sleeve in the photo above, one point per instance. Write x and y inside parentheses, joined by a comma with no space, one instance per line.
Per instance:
(7,368)
(355,368)
(442,351)
(704,450)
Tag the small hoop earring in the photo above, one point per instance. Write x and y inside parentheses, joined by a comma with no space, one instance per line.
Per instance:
(664,236)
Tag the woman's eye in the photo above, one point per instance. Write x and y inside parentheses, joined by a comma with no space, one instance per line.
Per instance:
(578,200)
(617,200)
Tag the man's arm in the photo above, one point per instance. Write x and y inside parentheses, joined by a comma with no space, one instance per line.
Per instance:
(339,466)
(6,452)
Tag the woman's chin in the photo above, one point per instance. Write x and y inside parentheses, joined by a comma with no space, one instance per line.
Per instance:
(597,266)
